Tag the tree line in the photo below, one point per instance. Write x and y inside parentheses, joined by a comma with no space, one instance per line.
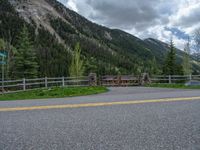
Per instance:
(24,61)
(34,52)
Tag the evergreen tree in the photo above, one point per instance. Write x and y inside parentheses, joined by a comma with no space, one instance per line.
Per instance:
(186,60)
(169,67)
(77,65)
(25,57)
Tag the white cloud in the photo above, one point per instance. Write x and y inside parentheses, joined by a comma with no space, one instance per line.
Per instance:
(72,5)
(143,18)
(187,16)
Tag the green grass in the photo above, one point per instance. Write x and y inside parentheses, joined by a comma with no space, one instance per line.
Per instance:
(176,86)
(53,93)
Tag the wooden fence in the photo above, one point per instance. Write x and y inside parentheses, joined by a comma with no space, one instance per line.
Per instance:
(174,78)
(131,80)
(9,86)
(122,80)
(29,84)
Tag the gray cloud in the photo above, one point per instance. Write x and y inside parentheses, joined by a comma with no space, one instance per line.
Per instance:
(188,17)
(143,18)
(127,14)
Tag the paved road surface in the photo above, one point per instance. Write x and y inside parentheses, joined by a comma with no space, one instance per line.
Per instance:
(170,125)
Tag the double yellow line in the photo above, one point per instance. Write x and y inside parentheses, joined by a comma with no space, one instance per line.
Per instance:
(97,104)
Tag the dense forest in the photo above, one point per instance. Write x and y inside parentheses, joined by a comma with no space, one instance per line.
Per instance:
(34,51)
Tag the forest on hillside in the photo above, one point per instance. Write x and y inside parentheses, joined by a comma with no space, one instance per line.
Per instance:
(35,52)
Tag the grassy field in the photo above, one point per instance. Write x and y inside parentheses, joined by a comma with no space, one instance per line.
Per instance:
(53,93)
(177,86)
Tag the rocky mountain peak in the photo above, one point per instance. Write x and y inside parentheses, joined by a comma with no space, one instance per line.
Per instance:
(39,12)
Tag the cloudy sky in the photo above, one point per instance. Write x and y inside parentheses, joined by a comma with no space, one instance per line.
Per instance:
(143,18)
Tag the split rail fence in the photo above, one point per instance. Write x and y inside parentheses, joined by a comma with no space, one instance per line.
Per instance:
(9,86)
(174,78)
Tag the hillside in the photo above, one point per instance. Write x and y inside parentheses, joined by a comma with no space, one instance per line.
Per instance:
(160,49)
(55,30)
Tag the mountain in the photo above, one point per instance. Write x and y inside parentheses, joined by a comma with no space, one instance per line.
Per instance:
(160,49)
(55,30)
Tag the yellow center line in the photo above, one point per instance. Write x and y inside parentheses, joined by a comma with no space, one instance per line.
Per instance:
(98,104)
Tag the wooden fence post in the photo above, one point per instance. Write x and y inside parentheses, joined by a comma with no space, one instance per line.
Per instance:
(24,84)
(190,77)
(63,81)
(170,79)
(46,82)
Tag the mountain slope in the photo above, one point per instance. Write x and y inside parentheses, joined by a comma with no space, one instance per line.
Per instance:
(160,49)
(55,30)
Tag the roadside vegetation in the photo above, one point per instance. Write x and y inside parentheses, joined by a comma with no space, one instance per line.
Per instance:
(53,93)
(176,86)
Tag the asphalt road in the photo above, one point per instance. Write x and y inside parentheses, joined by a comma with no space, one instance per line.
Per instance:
(170,125)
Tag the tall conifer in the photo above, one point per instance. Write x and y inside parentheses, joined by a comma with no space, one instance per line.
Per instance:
(169,67)
(25,57)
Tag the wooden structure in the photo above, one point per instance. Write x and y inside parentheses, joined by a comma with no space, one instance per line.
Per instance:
(121,80)
(145,79)
(92,80)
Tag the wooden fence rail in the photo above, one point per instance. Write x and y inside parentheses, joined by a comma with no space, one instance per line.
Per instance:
(91,80)
(10,86)
(174,78)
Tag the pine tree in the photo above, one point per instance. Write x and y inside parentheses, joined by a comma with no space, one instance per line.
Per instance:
(186,60)
(25,57)
(77,65)
(169,67)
